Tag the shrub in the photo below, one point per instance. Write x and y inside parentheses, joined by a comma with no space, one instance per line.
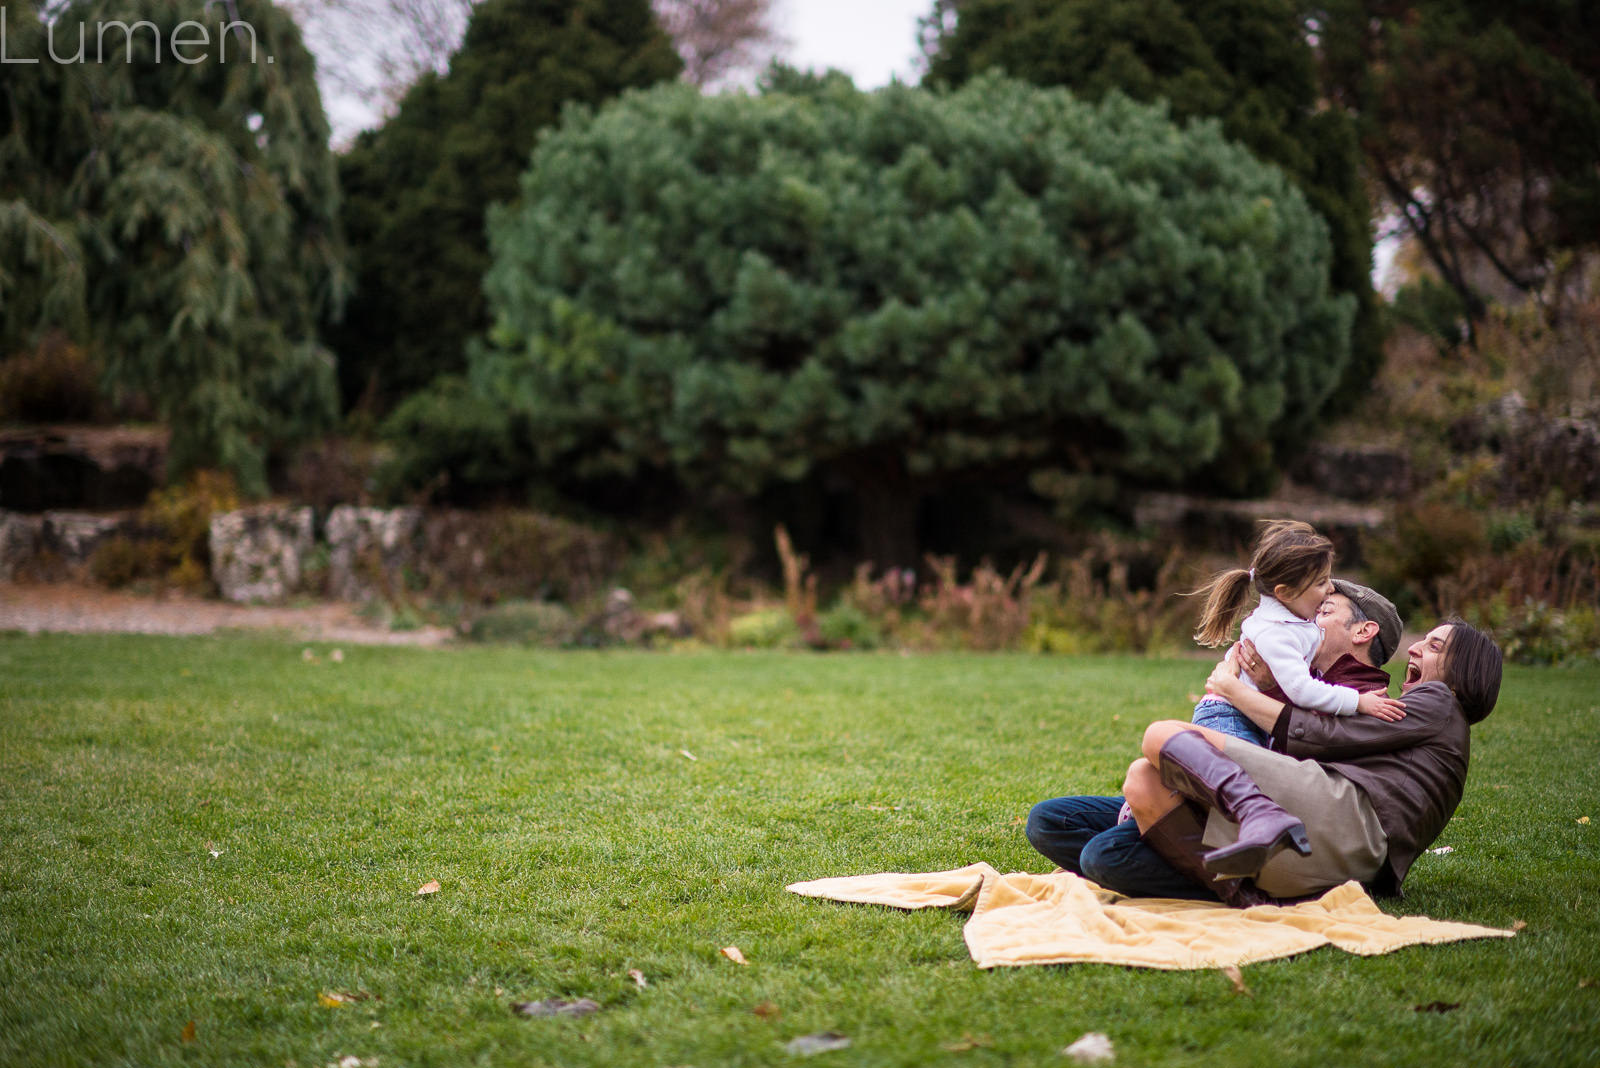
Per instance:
(765,628)
(171,544)
(844,626)
(539,623)
(54,381)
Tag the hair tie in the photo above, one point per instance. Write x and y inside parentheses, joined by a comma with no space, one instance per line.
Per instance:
(1252,574)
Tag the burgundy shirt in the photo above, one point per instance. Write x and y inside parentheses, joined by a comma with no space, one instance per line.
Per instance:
(1345,671)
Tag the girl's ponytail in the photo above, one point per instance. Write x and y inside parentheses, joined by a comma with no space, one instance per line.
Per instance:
(1227,596)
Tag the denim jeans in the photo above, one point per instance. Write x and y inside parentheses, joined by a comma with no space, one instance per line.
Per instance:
(1219,715)
(1083,836)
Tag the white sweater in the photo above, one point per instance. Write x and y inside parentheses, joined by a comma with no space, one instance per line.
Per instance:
(1287,643)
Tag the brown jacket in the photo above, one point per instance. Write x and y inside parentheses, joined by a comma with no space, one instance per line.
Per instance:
(1411,771)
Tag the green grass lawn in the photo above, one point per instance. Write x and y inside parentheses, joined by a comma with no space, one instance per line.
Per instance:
(217,831)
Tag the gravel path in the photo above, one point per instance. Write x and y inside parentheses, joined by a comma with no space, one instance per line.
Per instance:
(87,610)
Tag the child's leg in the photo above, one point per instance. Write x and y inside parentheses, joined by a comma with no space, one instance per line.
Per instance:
(1219,715)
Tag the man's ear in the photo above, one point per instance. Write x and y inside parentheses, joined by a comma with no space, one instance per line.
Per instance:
(1364,632)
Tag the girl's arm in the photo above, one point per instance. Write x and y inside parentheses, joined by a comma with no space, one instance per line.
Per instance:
(1292,673)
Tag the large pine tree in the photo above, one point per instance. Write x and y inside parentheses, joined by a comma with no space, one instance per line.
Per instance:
(176,209)
(418,187)
(896,291)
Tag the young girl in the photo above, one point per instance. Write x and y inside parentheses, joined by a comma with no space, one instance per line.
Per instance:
(1292,569)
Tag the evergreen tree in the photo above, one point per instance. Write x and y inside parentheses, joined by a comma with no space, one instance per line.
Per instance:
(900,289)
(1246,62)
(416,189)
(167,197)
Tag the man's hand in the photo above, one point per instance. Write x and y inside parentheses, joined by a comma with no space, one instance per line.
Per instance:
(1253,665)
(1379,706)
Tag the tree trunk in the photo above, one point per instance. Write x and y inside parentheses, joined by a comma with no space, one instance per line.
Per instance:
(888,501)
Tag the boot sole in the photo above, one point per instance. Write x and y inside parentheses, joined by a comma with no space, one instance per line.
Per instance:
(1234,862)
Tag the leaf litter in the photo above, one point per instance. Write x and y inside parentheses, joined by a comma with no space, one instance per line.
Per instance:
(556,1007)
(1092,1048)
(817,1042)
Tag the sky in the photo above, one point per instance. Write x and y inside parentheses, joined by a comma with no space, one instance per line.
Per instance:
(871,40)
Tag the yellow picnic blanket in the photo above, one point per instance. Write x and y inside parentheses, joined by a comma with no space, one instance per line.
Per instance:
(1062,918)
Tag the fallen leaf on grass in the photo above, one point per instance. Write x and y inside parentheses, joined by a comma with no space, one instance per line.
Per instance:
(1582,983)
(556,1007)
(332,999)
(1236,977)
(767,1011)
(1437,1006)
(733,954)
(638,978)
(211,847)
(337,656)
(969,1041)
(820,1042)
(1442,850)
(686,754)
(308,656)
(187,1034)
(1583,819)
(352,1061)
(429,887)
(1092,1048)
(1517,925)
(1017,821)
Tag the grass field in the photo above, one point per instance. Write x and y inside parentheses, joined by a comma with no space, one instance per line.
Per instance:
(218,831)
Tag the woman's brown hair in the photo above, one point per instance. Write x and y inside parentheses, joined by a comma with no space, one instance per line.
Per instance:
(1471,668)
(1287,553)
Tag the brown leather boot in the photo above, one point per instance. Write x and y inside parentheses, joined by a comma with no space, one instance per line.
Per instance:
(1197,769)
(1177,837)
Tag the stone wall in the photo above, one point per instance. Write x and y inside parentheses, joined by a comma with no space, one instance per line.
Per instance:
(259,554)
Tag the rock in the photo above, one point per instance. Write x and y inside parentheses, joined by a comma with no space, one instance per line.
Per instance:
(505,553)
(1538,453)
(80,467)
(1356,473)
(258,554)
(1561,454)
(369,550)
(74,536)
(20,539)
(1229,526)
(1493,424)
(621,621)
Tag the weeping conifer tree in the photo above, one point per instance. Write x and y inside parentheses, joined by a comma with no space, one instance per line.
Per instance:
(167,198)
